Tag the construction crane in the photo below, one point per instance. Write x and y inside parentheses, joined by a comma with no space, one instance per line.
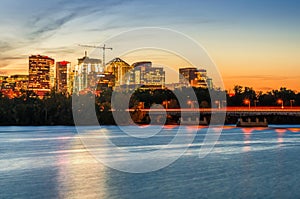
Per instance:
(100,47)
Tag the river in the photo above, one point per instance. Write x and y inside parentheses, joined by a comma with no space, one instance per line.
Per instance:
(53,162)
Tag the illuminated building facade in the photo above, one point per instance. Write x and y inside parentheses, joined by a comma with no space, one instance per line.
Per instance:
(2,78)
(86,73)
(70,82)
(209,82)
(41,69)
(2,81)
(144,74)
(187,74)
(193,76)
(200,80)
(62,76)
(105,81)
(20,82)
(119,68)
(11,86)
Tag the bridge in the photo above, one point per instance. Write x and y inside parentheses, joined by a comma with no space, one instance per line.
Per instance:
(252,116)
(230,111)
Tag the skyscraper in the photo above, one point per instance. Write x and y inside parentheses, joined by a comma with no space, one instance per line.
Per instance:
(186,75)
(144,74)
(70,82)
(201,79)
(40,68)
(209,82)
(119,68)
(193,76)
(86,73)
(62,75)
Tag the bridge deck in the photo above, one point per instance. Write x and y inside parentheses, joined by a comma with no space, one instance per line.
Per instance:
(243,111)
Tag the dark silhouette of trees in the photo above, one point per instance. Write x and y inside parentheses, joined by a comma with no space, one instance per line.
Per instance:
(28,109)
(240,95)
(270,98)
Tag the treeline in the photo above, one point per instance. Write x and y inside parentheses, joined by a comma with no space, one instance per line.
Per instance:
(28,109)
(56,108)
(242,95)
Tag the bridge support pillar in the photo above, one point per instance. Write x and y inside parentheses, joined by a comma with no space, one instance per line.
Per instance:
(248,123)
(193,120)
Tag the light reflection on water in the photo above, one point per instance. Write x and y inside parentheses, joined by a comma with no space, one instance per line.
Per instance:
(51,162)
(78,174)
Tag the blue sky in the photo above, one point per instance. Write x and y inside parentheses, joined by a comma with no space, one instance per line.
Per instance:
(254,39)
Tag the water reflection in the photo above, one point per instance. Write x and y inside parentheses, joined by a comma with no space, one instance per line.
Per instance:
(247,134)
(280,133)
(294,130)
(79,174)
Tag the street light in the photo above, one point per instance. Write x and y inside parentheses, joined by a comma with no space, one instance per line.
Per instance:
(224,103)
(255,101)
(280,101)
(189,102)
(218,102)
(166,103)
(247,101)
(291,102)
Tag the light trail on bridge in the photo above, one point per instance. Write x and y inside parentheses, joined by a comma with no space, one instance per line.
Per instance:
(227,109)
(268,110)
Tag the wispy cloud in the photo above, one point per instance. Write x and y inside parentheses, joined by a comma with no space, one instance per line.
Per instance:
(43,27)
(53,28)
(64,50)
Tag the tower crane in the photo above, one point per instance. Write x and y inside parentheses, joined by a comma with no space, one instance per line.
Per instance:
(99,47)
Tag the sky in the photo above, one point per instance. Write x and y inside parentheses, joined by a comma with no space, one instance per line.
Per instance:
(253,43)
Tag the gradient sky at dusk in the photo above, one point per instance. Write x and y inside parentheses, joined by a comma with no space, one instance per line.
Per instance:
(254,43)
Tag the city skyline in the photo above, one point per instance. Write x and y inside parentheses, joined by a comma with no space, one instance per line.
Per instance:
(89,74)
(253,43)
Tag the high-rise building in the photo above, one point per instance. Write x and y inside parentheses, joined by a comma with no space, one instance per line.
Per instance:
(20,81)
(86,73)
(62,76)
(119,68)
(40,69)
(186,75)
(144,74)
(70,82)
(105,81)
(201,78)
(193,76)
(209,82)
(11,86)
(2,78)
(2,81)
(52,77)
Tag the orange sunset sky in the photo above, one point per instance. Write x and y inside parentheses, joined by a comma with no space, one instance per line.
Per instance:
(253,43)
